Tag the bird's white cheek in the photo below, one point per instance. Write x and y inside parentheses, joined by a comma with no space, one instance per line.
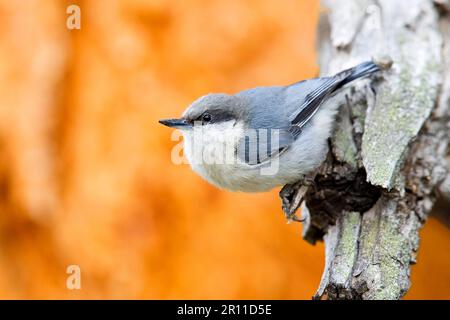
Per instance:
(202,147)
(188,146)
(213,144)
(220,141)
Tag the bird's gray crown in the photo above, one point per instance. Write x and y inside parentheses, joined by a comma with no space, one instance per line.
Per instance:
(215,108)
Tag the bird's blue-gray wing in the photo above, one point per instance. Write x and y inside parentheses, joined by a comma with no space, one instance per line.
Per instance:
(268,125)
(290,108)
(259,145)
(323,88)
(274,109)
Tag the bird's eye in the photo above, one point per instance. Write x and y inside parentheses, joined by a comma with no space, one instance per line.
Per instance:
(206,118)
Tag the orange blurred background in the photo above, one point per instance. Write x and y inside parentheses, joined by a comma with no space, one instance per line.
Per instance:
(86,176)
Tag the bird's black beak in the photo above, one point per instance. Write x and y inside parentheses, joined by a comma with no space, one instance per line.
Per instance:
(175,123)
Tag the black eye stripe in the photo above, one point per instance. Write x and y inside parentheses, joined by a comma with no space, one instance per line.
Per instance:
(216,117)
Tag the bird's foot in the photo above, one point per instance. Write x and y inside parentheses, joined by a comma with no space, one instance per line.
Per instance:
(292,197)
(309,181)
(287,194)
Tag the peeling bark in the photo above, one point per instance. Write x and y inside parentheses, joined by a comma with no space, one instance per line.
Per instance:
(389,154)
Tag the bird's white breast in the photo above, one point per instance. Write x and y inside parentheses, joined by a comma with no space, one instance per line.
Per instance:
(210,150)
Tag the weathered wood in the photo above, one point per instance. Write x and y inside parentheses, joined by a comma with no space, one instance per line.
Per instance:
(444,188)
(388,153)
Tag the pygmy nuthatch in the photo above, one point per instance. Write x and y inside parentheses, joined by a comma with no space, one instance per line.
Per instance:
(264,137)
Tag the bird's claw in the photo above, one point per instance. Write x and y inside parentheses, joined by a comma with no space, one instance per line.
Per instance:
(292,196)
(293,217)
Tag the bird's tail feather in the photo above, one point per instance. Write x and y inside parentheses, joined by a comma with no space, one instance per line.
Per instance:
(361,70)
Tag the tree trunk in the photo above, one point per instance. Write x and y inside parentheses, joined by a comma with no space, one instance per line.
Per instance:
(388,159)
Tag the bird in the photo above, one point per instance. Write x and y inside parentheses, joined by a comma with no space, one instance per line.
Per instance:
(264,137)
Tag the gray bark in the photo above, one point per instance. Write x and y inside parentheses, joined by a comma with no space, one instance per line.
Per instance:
(388,160)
